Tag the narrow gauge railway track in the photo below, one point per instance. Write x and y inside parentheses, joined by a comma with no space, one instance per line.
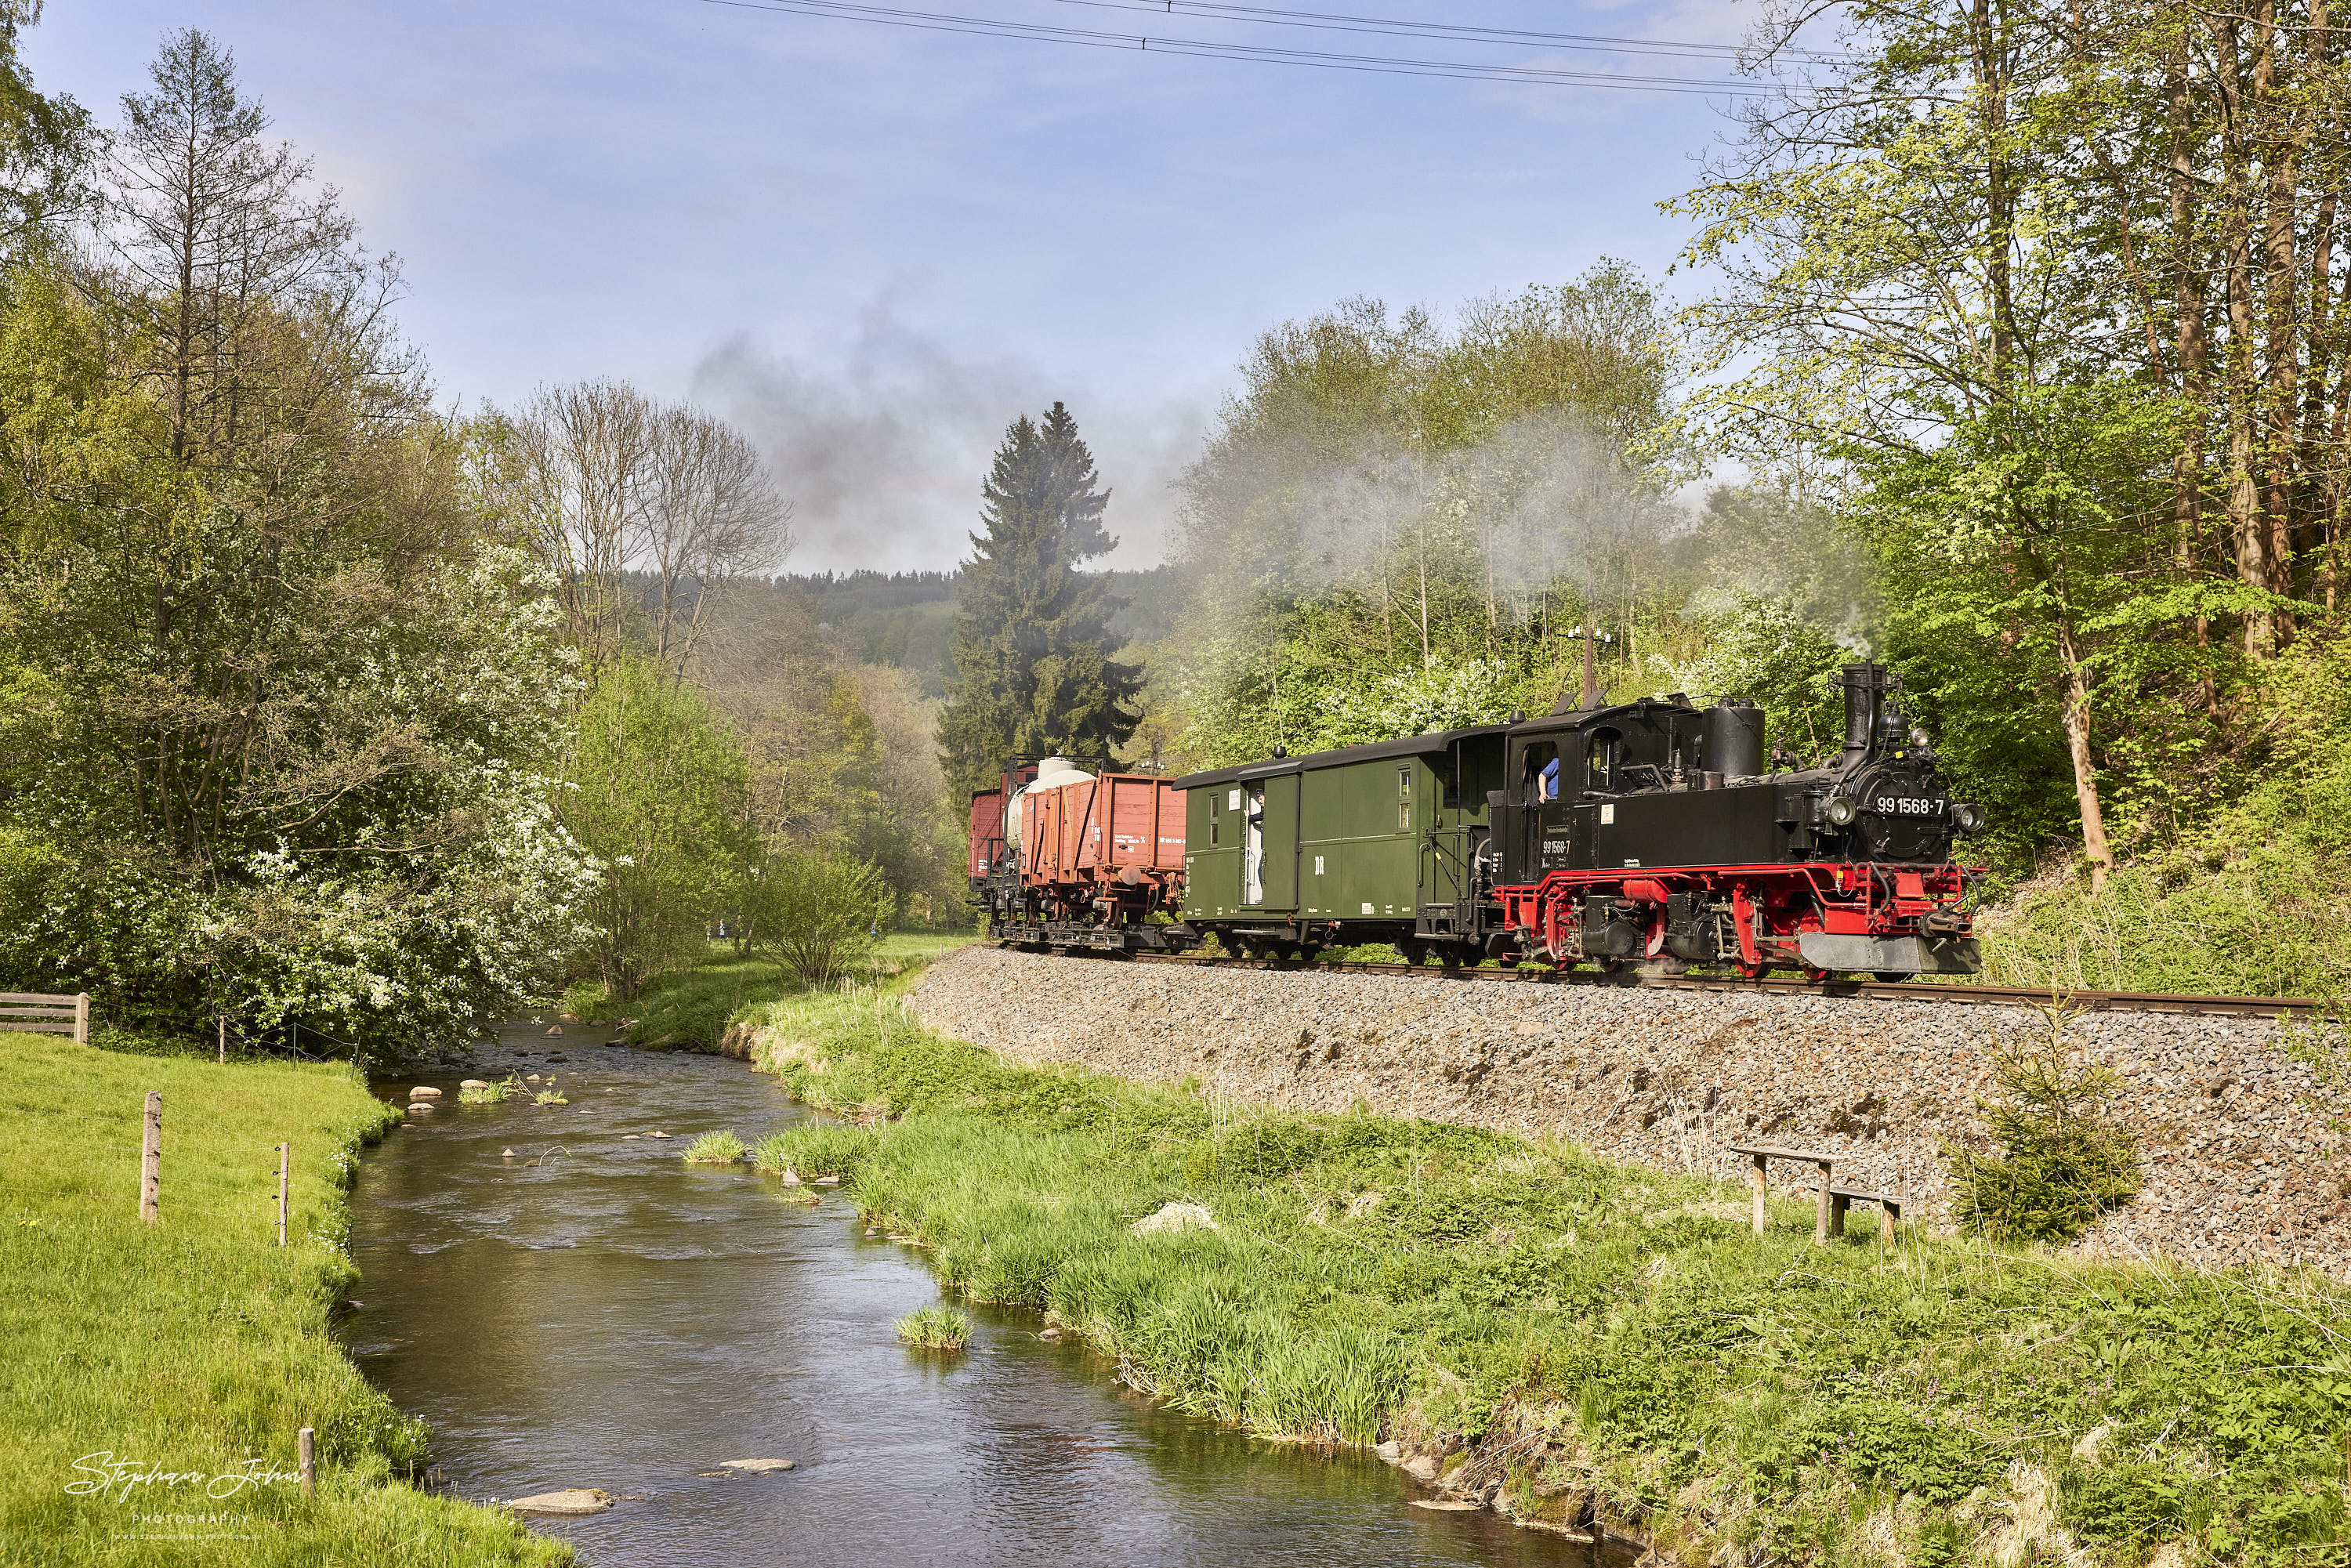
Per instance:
(2279,1008)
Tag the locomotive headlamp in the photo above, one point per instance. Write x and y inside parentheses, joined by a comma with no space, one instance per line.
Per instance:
(1967,817)
(1918,737)
(1840,811)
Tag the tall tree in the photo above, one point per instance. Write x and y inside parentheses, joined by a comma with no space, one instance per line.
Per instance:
(647,514)
(1033,642)
(46,143)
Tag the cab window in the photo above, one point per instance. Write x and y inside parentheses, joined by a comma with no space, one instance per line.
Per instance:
(1603,758)
(1542,771)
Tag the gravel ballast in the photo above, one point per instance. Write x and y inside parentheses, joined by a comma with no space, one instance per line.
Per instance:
(2241,1165)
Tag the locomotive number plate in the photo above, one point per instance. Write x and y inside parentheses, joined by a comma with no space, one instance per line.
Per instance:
(1905,806)
(1555,846)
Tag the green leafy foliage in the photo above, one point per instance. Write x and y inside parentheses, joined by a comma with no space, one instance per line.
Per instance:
(814,912)
(656,790)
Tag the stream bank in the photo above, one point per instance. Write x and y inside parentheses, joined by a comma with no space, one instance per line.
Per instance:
(192,1350)
(591,1311)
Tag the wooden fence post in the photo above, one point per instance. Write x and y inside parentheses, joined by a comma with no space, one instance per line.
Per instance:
(81,1019)
(224,1042)
(282,1156)
(150,1160)
(308,1442)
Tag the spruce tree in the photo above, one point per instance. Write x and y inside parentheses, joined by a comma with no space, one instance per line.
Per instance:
(1034,673)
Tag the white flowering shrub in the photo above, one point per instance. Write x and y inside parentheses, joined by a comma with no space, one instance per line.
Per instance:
(1441,694)
(387,871)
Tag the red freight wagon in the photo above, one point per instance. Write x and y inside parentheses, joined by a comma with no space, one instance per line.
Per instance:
(1066,858)
(984,854)
(1115,830)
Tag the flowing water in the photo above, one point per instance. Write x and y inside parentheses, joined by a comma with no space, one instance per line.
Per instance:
(589,1311)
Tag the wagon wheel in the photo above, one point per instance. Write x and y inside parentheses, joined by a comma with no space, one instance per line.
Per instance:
(1415,953)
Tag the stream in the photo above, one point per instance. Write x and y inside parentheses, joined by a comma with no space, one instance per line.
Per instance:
(609,1317)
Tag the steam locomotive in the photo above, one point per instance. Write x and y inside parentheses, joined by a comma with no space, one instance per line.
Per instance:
(1643,832)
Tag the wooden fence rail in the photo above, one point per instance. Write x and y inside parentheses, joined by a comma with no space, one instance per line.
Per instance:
(29,1012)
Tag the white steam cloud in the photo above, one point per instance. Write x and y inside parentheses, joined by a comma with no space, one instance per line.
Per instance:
(884,453)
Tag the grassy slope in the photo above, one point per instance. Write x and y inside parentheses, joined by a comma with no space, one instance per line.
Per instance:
(690,1008)
(197,1343)
(1603,1334)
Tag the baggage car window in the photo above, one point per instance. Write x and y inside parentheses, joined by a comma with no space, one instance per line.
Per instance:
(1404,799)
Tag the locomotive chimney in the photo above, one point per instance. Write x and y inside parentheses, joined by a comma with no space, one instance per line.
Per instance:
(1865,685)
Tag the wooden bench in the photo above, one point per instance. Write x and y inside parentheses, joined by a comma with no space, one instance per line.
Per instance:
(1763,1154)
(30,1013)
(1843,1197)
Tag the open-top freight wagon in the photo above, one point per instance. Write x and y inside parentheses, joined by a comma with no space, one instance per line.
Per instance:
(1065,858)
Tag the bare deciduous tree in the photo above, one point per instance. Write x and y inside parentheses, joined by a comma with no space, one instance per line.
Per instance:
(644,514)
(712,518)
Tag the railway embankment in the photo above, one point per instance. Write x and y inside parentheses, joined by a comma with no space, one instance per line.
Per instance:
(2242,1160)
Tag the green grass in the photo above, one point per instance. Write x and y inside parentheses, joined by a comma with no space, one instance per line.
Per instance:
(689,1009)
(1597,1330)
(812,1151)
(197,1343)
(489,1095)
(714,1149)
(936,1327)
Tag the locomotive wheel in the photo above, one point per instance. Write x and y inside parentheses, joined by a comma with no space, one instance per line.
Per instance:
(1414,953)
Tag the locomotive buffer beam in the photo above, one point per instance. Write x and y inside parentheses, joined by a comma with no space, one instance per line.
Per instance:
(1891,955)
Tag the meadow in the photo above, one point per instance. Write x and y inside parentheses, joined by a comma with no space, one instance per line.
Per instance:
(1587,1340)
(196,1347)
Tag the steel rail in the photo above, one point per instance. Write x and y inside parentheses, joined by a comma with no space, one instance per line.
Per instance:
(2277,1007)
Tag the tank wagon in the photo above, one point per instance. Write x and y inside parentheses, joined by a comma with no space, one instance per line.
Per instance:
(1613,834)
(1064,858)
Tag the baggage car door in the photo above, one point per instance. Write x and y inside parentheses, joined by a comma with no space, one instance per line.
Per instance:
(1278,865)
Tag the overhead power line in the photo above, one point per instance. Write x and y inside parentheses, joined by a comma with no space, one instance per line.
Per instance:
(1399,26)
(1463,70)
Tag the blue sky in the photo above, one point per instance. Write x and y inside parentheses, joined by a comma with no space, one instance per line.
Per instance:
(872,246)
